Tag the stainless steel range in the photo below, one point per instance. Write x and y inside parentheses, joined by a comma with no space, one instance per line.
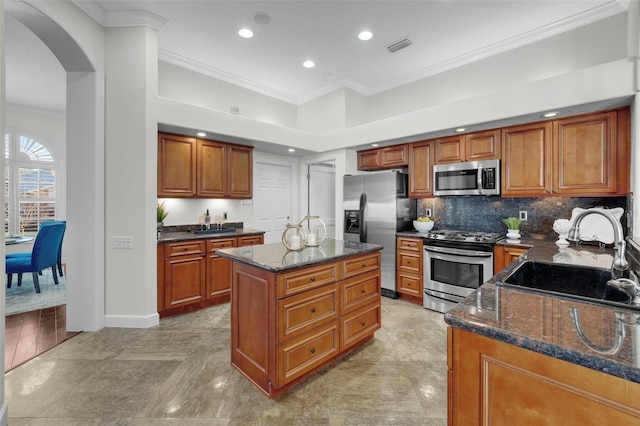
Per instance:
(455,264)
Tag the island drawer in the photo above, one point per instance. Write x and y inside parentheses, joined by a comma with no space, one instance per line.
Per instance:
(306,352)
(307,279)
(361,264)
(359,325)
(180,249)
(359,291)
(300,313)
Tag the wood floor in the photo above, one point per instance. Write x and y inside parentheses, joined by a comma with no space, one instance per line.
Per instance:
(31,333)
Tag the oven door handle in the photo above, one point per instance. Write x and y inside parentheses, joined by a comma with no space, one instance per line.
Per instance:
(458,252)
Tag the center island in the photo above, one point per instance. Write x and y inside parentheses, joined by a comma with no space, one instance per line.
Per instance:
(294,312)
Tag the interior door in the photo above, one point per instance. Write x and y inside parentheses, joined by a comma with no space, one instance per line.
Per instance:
(322,195)
(272,200)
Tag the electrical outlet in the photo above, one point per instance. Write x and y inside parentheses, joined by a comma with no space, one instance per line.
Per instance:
(224,216)
(122,242)
(523,214)
(427,212)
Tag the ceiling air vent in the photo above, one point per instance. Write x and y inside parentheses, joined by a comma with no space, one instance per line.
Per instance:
(400,44)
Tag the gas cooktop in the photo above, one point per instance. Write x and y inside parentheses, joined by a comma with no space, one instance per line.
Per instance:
(463,236)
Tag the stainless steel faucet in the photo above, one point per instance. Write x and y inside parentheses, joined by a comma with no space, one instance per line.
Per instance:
(620,263)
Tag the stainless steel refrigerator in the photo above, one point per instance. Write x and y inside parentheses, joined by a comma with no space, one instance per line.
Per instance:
(376,206)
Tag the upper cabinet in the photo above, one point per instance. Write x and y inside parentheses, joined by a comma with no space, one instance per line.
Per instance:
(189,167)
(470,147)
(586,155)
(176,166)
(383,158)
(421,169)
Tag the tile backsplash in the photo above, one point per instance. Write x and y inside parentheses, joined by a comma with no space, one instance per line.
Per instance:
(486,213)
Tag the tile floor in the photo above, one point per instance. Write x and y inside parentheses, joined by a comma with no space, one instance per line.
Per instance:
(180,373)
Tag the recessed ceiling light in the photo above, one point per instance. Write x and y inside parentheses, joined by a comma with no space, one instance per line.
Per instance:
(202,134)
(292,150)
(245,33)
(461,129)
(365,35)
(550,114)
(308,64)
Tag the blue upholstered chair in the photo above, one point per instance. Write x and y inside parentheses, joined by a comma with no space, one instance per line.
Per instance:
(45,254)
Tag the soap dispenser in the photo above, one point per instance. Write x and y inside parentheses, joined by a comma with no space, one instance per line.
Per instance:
(207,219)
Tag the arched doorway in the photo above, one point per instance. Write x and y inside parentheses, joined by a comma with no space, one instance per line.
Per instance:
(85,168)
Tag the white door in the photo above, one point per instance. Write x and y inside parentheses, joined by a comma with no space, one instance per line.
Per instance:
(271,200)
(322,195)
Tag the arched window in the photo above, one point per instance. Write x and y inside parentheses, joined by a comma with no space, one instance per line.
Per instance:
(29,184)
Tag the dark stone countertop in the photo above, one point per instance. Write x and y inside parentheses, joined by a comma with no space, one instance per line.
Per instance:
(276,258)
(543,323)
(175,236)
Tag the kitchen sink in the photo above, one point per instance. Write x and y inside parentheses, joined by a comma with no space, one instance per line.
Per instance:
(576,282)
(213,231)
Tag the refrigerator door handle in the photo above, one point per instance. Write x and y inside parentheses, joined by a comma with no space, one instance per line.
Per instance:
(363,221)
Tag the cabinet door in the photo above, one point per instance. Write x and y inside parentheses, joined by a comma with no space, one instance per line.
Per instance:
(421,169)
(483,145)
(503,256)
(239,171)
(176,166)
(184,280)
(369,159)
(394,156)
(218,277)
(584,154)
(449,150)
(527,160)
(212,169)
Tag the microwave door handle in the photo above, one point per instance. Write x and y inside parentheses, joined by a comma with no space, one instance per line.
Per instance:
(479,178)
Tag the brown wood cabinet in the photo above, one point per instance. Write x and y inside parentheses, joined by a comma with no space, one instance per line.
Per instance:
(586,155)
(503,255)
(409,267)
(421,169)
(383,158)
(468,147)
(287,325)
(176,166)
(189,167)
(192,276)
(491,382)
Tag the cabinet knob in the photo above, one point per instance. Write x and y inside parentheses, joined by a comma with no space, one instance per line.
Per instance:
(313,310)
(364,265)
(312,279)
(312,350)
(362,291)
(363,323)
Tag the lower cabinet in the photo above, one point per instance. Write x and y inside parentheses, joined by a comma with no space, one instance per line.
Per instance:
(503,256)
(287,325)
(192,276)
(409,267)
(494,383)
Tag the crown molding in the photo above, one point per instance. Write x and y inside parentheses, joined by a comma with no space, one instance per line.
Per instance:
(190,64)
(136,18)
(564,25)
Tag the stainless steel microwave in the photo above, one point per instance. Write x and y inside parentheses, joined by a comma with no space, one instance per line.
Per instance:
(470,178)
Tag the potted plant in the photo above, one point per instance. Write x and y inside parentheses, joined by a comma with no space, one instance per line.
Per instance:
(162,213)
(513,227)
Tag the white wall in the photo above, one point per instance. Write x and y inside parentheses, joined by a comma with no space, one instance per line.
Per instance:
(131,176)
(323,114)
(186,211)
(197,89)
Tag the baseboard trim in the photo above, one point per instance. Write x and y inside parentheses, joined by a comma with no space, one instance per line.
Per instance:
(131,321)
(4,415)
